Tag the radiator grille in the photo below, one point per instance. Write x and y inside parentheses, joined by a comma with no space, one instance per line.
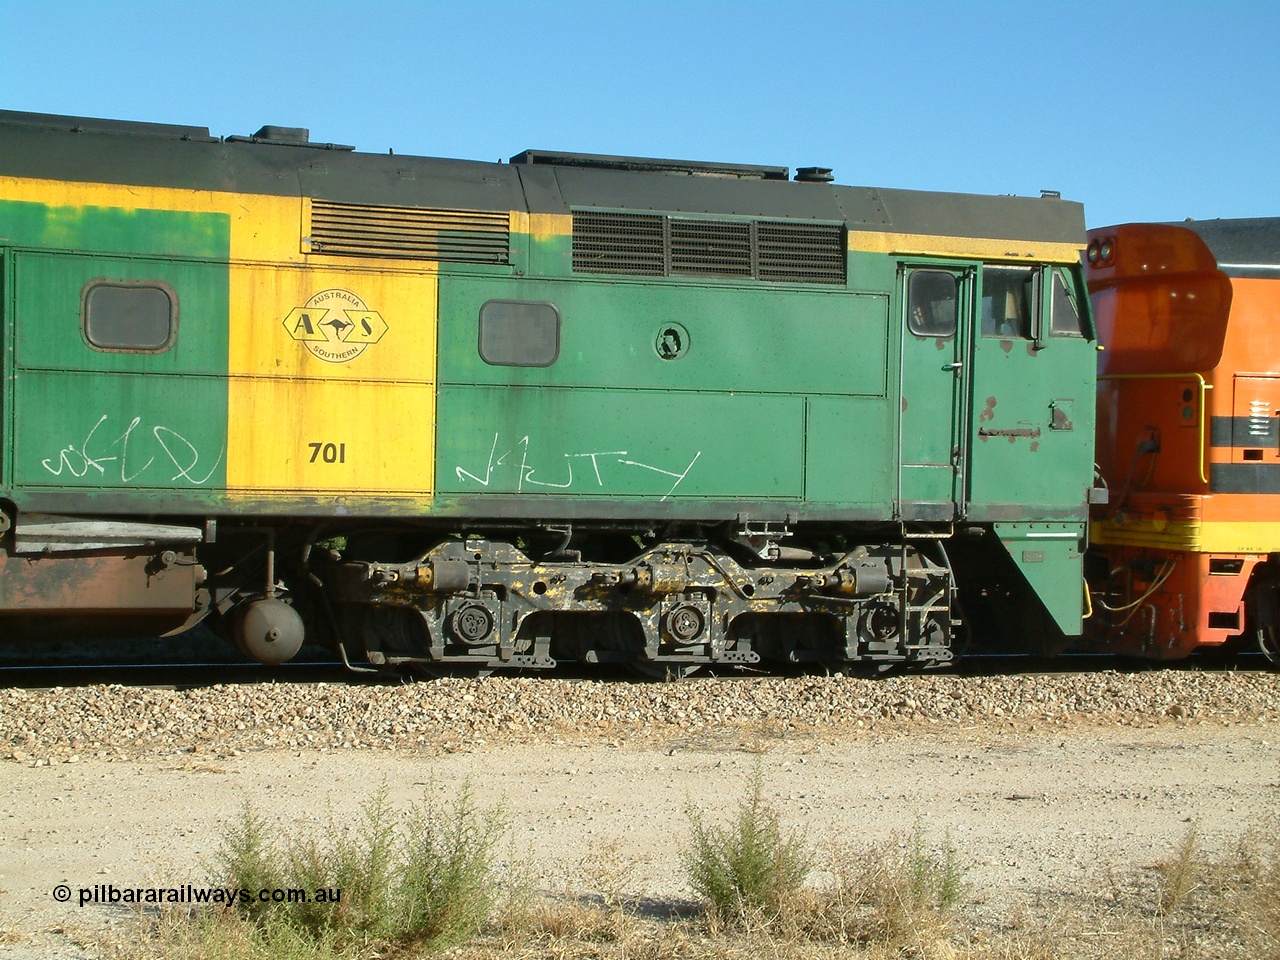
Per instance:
(409,233)
(714,247)
(619,243)
(801,252)
(656,245)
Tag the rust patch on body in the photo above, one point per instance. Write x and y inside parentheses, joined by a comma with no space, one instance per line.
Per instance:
(1013,435)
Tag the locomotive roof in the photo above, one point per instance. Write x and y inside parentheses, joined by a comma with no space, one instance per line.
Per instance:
(1243,248)
(283,161)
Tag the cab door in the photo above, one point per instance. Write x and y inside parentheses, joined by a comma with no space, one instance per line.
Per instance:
(935,363)
(1031,426)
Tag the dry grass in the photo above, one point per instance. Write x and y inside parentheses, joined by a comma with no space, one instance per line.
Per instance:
(899,899)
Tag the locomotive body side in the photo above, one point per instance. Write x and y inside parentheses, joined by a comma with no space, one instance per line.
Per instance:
(445,412)
(1189,396)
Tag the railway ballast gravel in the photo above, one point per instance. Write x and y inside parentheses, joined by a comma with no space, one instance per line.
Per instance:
(120,722)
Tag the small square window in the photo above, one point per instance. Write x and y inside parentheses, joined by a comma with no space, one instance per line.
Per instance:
(932,303)
(129,315)
(519,333)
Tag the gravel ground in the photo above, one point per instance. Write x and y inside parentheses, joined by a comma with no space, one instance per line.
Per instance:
(50,726)
(1042,782)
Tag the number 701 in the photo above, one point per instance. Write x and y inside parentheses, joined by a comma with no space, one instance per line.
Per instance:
(328,452)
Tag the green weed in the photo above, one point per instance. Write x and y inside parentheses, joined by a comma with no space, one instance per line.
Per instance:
(746,872)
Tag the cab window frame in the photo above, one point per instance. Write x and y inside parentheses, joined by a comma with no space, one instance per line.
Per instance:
(1070,294)
(1026,298)
(500,342)
(108,327)
(922,317)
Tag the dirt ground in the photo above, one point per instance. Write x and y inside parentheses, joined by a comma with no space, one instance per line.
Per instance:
(1033,814)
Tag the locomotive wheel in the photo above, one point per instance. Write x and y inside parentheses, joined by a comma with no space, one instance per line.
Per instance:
(398,631)
(622,634)
(267,630)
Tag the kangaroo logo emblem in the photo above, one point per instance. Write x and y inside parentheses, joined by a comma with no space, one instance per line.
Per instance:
(335,325)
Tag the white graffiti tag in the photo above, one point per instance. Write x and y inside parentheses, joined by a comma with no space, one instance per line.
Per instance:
(90,455)
(526,474)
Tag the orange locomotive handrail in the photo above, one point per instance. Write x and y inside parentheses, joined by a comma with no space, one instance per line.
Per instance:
(1204,389)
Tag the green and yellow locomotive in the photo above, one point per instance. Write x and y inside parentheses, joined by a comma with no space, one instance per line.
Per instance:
(459,414)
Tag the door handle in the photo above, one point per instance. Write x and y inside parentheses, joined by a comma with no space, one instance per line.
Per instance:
(953,366)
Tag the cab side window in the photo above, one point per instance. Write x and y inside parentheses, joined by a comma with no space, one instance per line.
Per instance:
(1010,302)
(1065,317)
(932,303)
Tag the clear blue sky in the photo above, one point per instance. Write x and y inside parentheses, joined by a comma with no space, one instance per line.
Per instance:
(1142,111)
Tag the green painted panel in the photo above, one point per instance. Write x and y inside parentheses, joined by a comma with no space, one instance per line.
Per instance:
(550,257)
(102,430)
(1049,556)
(115,230)
(618,443)
(47,315)
(1032,422)
(767,340)
(117,420)
(850,452)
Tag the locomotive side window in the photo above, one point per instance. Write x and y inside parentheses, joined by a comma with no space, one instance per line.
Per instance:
(1065,317)
(932,302)
(519,333)
(129,315)
(1010,302)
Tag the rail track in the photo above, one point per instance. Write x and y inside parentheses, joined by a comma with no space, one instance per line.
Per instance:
(84,668)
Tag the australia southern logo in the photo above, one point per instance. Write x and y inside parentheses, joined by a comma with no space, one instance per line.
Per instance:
(335,325)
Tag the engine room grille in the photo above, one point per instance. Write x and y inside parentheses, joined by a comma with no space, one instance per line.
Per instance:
(408,233)
(657,245)
(619,243)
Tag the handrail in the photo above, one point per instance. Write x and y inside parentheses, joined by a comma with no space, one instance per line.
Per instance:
(1204,389)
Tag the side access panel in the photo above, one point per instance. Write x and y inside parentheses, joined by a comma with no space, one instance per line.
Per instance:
(1049,556)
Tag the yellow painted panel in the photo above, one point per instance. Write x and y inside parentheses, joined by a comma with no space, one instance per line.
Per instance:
(327,323)
(262,227)
(330,437)
(966,248)
(332,381)
(1210,537)
(542,226)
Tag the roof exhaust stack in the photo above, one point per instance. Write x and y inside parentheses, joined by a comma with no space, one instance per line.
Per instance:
(814,175)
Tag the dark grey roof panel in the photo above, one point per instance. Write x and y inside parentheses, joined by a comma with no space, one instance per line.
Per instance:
(411,181)
(34,150)
(57,121)
(1044,219)
(1243,248)
(685,193)
(600,161)
(862,208)
(541,190)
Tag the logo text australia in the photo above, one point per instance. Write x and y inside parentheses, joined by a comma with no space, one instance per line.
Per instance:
(335,325)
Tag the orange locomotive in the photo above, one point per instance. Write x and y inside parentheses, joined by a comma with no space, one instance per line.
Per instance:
(1187,553)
